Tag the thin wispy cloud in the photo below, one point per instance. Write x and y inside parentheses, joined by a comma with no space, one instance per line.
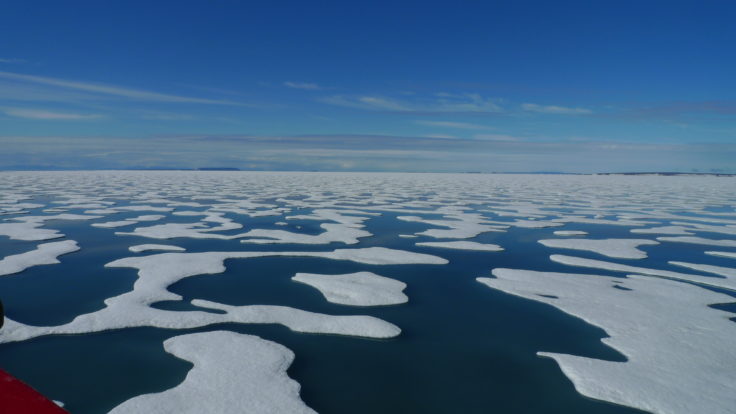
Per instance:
(437,103)
(134,94)
(48,115)
(450,124)
(554,109)
(364,153)
(497,137)
(303,85)
(440,136)
(12,60)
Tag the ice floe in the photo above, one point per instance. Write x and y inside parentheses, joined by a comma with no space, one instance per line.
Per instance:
(157,272)
(46,253)
(570,233)
(146,247)
(463,245)
(730,255)
(618,248)
(699,240)
(232,372)
(678,348)
(460,226)
(334,232)
(727,272)
(617,267)
(356,289)
(28,227)
(677,230)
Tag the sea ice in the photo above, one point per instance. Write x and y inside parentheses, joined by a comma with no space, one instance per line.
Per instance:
(46,253)
(677,346)
(727,272)
(730,255)
(570,233)
(356,289)
(699,240)
(677,230)
(463,245)
(617,267)
(619,248)
(145,247)
(232,372)
(28,227)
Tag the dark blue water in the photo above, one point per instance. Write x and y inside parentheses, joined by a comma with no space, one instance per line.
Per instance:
(464,348)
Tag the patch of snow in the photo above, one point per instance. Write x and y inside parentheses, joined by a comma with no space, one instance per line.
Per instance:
(570,233)
(730,255)
(356,289)
(232,372)
(699,240)
(677,346)
(618,248)
(617,267)
(146,247)
(46,253)
(463,245)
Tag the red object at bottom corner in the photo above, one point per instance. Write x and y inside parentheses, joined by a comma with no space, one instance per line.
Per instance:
(18,398)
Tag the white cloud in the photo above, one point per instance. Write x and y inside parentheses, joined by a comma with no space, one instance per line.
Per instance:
(303,85)
(47,115)
(440,136)
(450,124)
(12,60)
(438,103)
(136,94)
(497,137)
(553,109)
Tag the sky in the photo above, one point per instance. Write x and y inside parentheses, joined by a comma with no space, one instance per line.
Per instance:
(456,86)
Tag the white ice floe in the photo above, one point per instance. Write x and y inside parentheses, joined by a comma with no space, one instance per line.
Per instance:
(730,255)
(128,222)
(463,245)
(570,233)
(618,248)
(28,228)
(460,226)
(232,372)
(586,220)
(157,272)
(46,253)
(379,256)
(727,272)
(677,230)
(334,233)
(144,208)
(617,267)
(679,350)
(114,224)
(146,247)
(356,289)
(699,240)
(148,217)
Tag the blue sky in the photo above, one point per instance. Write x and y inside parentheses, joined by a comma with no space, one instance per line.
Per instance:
(583,86)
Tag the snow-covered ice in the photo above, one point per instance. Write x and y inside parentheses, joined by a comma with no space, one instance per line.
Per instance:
(146,247)
(730,255)
(463,245)
(570,233)
(232,372)
(699,240)
(617,267)
(46,253)
(356,289)
(618,248)
(678,361)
